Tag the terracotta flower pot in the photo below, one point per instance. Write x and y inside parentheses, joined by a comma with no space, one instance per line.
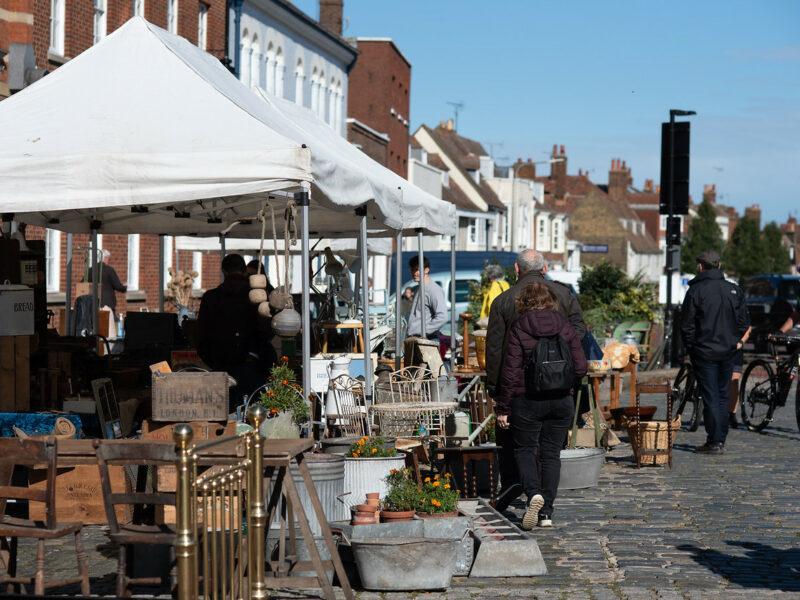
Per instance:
(373,495)
(367,508)
(363,520)
(373,502)
(396,515)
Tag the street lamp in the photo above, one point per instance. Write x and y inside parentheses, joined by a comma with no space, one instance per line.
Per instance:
(672,248)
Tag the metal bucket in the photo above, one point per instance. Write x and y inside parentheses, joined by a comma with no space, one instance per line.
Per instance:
(405,564)
(365,475)
(327,473)
(580,467)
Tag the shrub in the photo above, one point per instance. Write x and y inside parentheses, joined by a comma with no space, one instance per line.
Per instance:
(284,394)
(403,494)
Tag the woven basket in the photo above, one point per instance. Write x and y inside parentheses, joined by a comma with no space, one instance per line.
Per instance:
(654,437)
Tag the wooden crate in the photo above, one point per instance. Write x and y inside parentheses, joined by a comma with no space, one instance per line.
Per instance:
(79,495)
(15,373)
(180,397)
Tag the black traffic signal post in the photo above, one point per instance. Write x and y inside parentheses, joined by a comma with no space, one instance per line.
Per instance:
(673,200)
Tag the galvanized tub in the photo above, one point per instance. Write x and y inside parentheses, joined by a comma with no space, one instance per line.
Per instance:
(365,475)
(327,473)
(580,467)
(405,564)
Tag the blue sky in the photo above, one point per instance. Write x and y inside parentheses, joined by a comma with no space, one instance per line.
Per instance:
(599,77)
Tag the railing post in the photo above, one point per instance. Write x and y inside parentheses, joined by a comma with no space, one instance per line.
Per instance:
(185,544)
(256,508)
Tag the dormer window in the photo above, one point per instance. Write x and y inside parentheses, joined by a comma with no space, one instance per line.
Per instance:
(476,175)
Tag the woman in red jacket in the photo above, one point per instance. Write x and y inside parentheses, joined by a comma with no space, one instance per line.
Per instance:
(539,421)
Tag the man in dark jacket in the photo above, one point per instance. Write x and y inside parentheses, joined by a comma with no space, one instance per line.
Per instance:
(109,284)
(531,268)
(229,335)
(713,320)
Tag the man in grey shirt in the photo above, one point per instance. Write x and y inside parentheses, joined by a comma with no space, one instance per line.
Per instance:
(435,309)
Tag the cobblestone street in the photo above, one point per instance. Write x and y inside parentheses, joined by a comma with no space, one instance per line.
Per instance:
(719,526)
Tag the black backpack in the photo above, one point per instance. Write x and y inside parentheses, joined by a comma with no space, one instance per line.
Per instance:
(549,369)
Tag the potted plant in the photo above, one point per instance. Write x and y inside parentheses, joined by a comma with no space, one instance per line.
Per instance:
(402,496)
(366,465)
(438,498)
(286,408)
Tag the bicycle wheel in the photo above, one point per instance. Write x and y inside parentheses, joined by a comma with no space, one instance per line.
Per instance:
(685,388)
(797,403)
(757,395)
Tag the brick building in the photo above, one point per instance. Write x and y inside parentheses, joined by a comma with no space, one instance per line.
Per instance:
(379,98)
(42,35)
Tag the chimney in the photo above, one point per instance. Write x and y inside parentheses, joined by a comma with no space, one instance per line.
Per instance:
(754,212)
(558,171)
(710,193)
(619,178)
(649,188)
(525,170)
(330,15)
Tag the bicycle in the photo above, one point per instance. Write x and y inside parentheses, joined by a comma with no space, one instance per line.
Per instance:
(765,388)
(686,392)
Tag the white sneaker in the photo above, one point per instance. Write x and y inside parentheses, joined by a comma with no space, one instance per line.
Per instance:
(531,516)
(545,520)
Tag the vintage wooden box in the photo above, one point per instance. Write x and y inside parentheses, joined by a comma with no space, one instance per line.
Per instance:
(183,397)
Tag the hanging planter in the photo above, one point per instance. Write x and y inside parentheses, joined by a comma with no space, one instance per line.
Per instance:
(287,323)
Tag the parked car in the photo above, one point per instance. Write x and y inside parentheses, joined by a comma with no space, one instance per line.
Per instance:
(770,300)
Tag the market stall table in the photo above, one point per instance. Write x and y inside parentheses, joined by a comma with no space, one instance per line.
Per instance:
(614,377)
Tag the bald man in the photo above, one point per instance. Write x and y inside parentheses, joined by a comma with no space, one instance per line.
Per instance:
(531,268)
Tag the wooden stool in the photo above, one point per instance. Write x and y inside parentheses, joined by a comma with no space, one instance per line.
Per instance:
(356,328)
(468,456)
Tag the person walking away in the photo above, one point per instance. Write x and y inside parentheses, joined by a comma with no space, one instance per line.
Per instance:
(543,361)
(714,320)
(434,312)
(109,284)
(230,336)
(736,377)
(531,268)
(497,285)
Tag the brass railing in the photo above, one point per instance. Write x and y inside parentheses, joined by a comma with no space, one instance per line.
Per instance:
(221,518)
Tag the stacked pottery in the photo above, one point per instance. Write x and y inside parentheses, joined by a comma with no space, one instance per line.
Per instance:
(258,294)
(369,512)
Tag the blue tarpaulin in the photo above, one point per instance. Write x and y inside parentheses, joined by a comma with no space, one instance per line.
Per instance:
(35,423)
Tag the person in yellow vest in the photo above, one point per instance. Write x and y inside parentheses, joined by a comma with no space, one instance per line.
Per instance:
(497,285)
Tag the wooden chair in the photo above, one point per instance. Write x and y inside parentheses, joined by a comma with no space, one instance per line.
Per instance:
(32,453)
(142,454)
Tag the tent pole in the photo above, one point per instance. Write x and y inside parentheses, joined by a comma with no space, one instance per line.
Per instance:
(221,248)
(303,199)
(453,303)
(95,285)
(362,212)
(398,283)
(421,304)
(161,273)
(68,299)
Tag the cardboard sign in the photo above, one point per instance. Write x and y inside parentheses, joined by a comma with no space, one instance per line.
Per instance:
(179,397)
(16,306)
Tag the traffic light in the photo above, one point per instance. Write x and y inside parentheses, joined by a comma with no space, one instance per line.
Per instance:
(676,179)
(674,230)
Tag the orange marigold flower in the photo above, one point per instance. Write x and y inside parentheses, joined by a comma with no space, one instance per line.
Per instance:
(427,480)
(447,486)
(435,484)
(374,450)
(284,358)
(285,382)
(435,502)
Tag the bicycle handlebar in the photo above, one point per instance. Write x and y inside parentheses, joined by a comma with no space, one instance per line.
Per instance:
(782,338)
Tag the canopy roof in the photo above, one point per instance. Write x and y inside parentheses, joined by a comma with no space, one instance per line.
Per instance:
(144,119)
(379,245)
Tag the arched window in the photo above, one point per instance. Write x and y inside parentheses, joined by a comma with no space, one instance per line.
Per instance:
(279,67)
(315,91)
(332,103)
(244,59)
(271,68)
(299,80)
(323,96)
(339,105)
(255,64)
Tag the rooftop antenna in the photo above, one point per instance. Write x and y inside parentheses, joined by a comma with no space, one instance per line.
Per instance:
(492,146)
(457,106)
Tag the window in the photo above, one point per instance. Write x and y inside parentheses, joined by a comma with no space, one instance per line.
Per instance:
(279,67)
(332,104)
(556,236)
(167,257)
(57,27)
(202,26)
(244,60)
(52,246)
(472,231)
(270,69)
(172,16)
(138,8)
(133,261)
(462,289)
(299,80)
(255,64)
(315,91)
(323,96)
(339,105)
(197,266)
(100,19)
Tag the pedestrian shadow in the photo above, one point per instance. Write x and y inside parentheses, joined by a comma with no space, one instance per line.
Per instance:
(762,566)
